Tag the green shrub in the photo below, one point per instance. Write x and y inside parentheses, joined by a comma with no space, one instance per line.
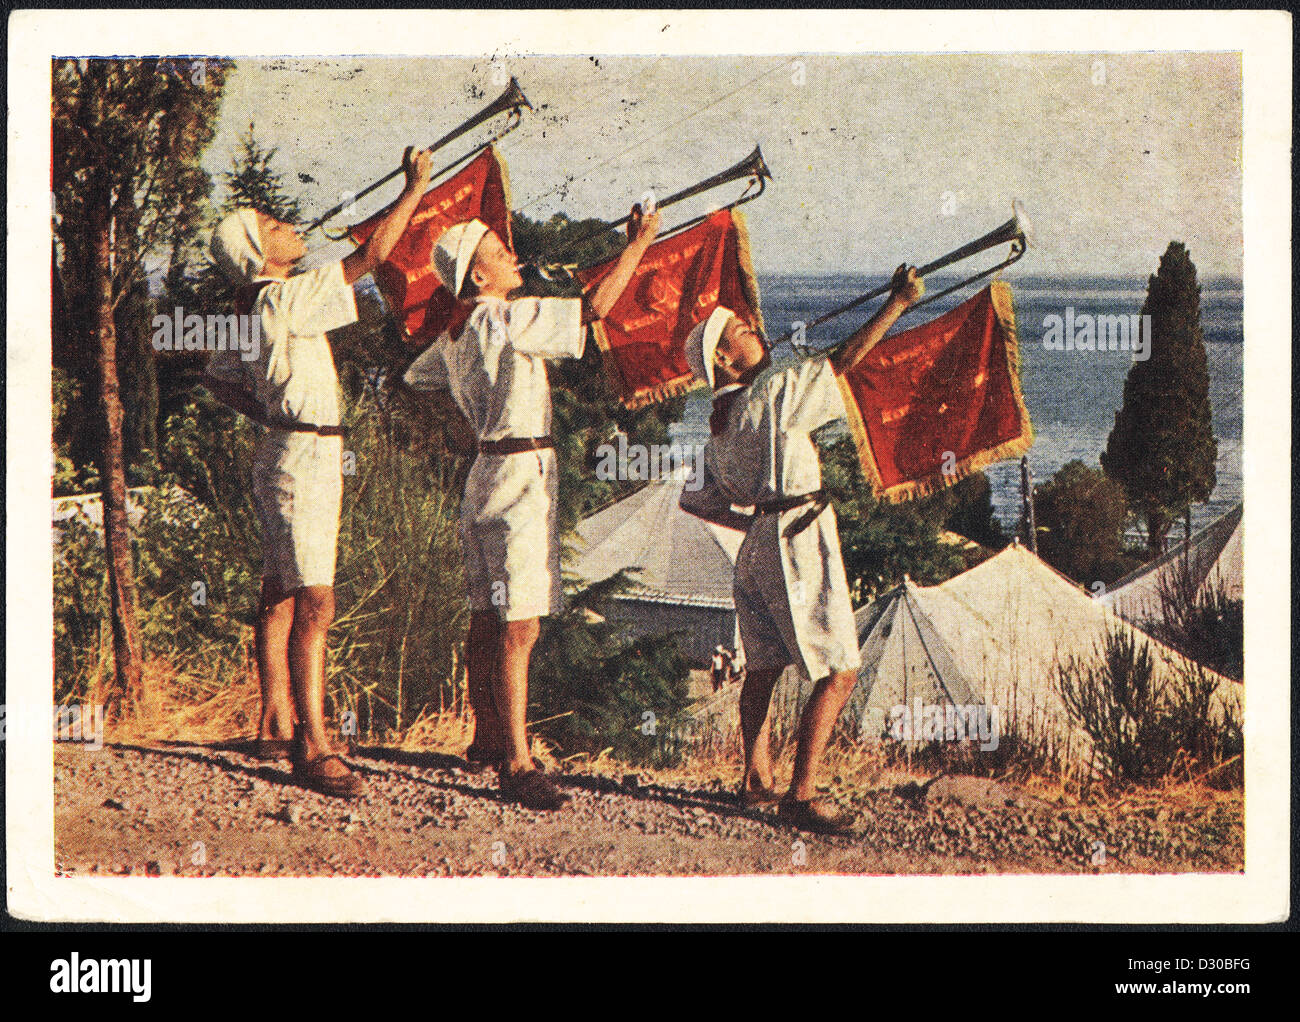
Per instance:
(1204,624)
(591,686)
(881,542)
(396,647)
(1081,515)
(1141,723)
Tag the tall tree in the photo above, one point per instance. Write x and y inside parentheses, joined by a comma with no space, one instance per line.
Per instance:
(1162,448)
(127,136)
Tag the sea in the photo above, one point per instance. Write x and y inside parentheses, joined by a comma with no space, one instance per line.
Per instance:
(1072,396)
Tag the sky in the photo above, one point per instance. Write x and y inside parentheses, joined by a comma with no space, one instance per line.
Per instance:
(876,159)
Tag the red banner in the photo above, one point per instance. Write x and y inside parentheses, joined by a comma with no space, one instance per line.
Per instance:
(407,279)
(935,403)
(678,283)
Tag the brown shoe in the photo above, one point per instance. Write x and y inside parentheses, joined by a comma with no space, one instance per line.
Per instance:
(317,775)
(532,789)
(815,815)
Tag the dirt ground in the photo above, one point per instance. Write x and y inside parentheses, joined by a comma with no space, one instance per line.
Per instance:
(204,810)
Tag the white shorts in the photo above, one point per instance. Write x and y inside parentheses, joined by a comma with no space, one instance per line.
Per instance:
(792,598)
(509,535)
(298,492)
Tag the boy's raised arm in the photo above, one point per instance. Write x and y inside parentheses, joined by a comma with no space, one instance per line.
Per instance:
(366,259)
(907,288)
(597,302)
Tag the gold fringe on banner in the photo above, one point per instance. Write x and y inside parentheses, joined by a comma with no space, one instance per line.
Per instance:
(505,192)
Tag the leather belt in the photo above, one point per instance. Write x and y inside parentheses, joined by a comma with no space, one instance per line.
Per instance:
(817,502)
(300,427)
(515,445)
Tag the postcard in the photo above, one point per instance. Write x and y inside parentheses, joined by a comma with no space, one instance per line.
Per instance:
(708,466)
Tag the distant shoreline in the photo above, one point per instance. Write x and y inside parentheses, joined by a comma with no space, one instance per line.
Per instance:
(1214,283)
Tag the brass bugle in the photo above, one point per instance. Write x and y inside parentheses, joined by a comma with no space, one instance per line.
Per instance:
(1014,232)
(511,101)
(752,166)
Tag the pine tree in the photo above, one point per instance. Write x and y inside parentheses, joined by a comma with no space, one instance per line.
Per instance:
(1162,449)
(252,182)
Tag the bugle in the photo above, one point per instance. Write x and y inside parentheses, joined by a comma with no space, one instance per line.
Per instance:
(753,167)
(1015,232)
(512,101)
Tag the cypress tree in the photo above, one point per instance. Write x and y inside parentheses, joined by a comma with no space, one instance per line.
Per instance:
(1162,448)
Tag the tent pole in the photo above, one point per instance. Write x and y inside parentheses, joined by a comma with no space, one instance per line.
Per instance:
(1027,505)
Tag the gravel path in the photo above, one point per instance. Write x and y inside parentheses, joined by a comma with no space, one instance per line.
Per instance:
(203,811)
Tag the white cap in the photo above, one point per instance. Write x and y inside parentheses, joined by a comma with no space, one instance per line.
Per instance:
(703,342)
(237,245)
(454,253)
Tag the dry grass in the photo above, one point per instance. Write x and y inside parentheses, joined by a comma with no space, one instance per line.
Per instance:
(186,708)
(182,710)
(449,729)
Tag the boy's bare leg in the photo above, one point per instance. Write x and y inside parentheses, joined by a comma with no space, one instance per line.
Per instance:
(271,641)
(517,641)
(815,727)
(756,728)
(313,612)
(484,645)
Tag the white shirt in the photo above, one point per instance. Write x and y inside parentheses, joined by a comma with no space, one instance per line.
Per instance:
(293,375)
(767,451)
(496,369)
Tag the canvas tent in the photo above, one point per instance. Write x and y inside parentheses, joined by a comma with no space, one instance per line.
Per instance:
(993,636)
(681,567)
(1210,561)
(905,662)
(1012,621)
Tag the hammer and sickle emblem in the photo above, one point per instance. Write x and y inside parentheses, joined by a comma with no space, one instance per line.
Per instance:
(661,294)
